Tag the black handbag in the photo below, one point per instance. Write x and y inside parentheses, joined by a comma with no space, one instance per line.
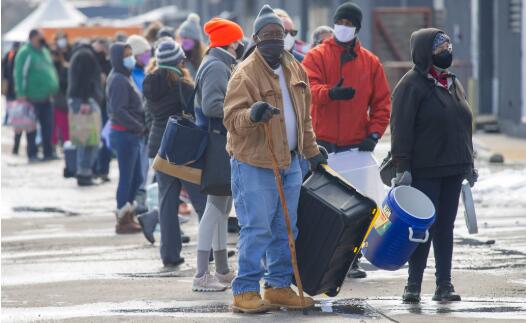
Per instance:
(387,169)
(215,179)
(182,150)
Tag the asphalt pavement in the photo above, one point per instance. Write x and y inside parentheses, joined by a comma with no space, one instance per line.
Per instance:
(62,261)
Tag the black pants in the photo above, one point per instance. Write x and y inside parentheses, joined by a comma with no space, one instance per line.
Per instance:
(169,190)
(444,193)
(44,113)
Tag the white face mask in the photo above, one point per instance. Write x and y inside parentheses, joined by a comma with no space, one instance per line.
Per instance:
(289,42)
(62,43)
(344,34)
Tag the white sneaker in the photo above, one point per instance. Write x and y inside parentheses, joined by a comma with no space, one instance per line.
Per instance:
(207,283)
(226,279)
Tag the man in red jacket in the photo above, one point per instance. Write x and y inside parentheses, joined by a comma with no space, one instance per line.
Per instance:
(351,101)
(350,94)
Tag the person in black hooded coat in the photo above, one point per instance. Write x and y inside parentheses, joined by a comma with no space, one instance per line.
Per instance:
(431,145)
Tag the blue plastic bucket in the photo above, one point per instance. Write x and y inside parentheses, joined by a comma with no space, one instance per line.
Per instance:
(402,224)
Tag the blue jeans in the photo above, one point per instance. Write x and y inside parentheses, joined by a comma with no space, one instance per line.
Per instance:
(128,148)
(263,234)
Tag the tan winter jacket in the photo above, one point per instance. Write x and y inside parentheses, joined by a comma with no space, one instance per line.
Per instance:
(252,81)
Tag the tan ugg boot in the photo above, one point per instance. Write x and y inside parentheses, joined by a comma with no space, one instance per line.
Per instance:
(249,302)
(126,222)
(286,297)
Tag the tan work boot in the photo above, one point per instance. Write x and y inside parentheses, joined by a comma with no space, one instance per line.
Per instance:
(286,297)
(250,302)
(126,222)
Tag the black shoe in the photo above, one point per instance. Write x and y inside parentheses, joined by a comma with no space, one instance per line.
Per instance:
(84,180)
(356,271)
(411,294)
(185,238)
(233,225)
(230,254)
(173,264)
(446,293)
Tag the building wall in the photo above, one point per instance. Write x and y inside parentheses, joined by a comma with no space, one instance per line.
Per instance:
(507,67)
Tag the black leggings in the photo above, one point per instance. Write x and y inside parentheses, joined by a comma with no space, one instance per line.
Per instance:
(444,192)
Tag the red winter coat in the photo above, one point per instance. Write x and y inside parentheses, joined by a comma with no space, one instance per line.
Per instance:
(347,122)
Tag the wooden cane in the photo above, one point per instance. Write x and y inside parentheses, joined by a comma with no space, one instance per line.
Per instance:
(292,244)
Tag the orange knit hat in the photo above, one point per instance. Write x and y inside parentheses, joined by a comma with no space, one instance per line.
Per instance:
(223,32)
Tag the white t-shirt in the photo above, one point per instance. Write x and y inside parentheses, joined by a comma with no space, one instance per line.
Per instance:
(289,113)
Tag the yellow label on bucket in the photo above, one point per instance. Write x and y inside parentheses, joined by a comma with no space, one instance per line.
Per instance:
(382,223)
(383,217)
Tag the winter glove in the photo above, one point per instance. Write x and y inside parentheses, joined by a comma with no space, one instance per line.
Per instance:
(402,179)
(319,159)
(369,143)
(472,176)
(341,93)
(262,112)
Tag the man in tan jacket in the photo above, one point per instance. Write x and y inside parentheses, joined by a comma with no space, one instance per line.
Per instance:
(268,87)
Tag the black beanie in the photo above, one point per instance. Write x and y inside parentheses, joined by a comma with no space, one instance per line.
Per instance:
(351,12)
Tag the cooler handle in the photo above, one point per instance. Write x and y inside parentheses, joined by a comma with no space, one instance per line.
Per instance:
(416,239)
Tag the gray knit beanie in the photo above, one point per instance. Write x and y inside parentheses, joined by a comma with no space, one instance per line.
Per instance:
(265,17)
(169,53)
(191,28)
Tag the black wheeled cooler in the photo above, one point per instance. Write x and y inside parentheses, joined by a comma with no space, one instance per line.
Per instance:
(333,220)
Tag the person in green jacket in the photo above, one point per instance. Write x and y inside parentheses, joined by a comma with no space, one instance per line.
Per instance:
(36,81)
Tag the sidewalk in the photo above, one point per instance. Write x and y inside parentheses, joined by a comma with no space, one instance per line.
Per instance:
(513,149)
(61,261)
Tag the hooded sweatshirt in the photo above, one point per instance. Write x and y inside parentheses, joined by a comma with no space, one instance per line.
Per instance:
(123,98)
(431,125)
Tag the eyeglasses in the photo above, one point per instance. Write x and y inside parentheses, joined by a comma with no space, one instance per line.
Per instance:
(292,32)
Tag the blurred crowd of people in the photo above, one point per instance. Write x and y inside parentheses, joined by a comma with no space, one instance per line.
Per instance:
(331,98)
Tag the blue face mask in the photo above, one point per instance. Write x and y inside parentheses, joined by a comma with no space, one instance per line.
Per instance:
(129,62)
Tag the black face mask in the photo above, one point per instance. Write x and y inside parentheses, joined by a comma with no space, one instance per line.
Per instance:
(443,59)
(272,50)
(240,50)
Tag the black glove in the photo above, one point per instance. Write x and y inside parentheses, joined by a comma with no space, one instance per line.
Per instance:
(341,93)
(369,143)
(319,159)
(472,176)
(262,112)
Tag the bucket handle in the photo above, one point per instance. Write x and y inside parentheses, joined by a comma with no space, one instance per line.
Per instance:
(412,239)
